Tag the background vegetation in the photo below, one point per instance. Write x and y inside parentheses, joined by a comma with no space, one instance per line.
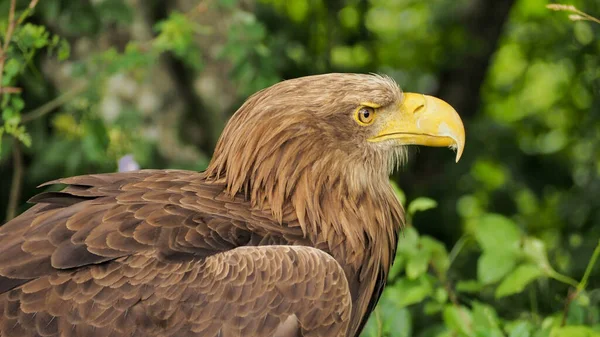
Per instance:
(509,247)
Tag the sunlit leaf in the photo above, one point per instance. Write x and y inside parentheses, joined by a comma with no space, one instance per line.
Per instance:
(518,279)
(535,250)
(432,308)
(406,292)
(521,329)
(492,266)
(497,233)
(408,241)
(469,286)
(469,206)
(417,265)
(489,173)
(583,32)
(421,204)
(574,331)
(485,319)
(459,319)
(397,267)
(437,253)
(297,10)
(349,17)
(440,295)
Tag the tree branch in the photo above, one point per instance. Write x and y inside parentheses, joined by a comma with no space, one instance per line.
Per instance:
(582,284)
(53,104)
(7,37)
(10,90)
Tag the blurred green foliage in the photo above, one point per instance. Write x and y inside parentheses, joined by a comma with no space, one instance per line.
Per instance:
(507,242)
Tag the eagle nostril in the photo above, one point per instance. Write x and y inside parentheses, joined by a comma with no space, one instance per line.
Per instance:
(419,108)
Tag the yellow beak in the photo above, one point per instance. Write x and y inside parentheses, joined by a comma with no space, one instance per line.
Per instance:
(424,120)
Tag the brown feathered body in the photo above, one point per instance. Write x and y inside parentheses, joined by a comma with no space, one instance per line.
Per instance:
(290,231)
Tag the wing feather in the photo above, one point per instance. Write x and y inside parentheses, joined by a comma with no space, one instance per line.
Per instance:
(98,218)
(151,252)
(248,291)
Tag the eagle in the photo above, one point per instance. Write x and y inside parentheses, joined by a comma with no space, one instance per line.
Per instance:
(290,231)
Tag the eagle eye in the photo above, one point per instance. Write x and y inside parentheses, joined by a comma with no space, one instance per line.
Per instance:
(365,115)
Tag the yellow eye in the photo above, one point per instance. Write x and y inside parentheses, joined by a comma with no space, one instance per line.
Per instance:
(365,115)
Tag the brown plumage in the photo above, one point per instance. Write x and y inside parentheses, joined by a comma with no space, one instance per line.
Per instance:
(290,231)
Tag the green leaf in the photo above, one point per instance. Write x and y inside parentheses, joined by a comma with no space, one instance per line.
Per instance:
(490,174)
(485,319)
(469,286)
(18,103)
(64,50)
(583,299)
(516,281)
(95,140)
(389,319)
(469,206)
(228,3)
(32,36)
(12,67)
(583,32)
(432,308)
(297,10)
(421,204)
(397,321)
(9,115)
(349,17)
(574,331)
(408,241)
(176,34)
(497,233)
(535,250)
(397,267)
(521,329)
(417,265)
(437,253)
(115,10)
(372,327)
(441,295)
(406,292)
(458,319)
(578,314)
(493,266)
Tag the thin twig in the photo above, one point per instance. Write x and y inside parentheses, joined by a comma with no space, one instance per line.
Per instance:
(534,304)
(53,104)
(562,278)
(11,24)
(33,3)
(572,295)
(17,180)
(199,9)
(589,268)
(582,284)
(9,31)
(26,13)
(10,90)
(450,291)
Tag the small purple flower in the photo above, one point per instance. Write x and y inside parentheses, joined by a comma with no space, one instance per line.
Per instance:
(127,163)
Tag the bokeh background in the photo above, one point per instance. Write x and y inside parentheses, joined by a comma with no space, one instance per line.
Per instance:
(504,243)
